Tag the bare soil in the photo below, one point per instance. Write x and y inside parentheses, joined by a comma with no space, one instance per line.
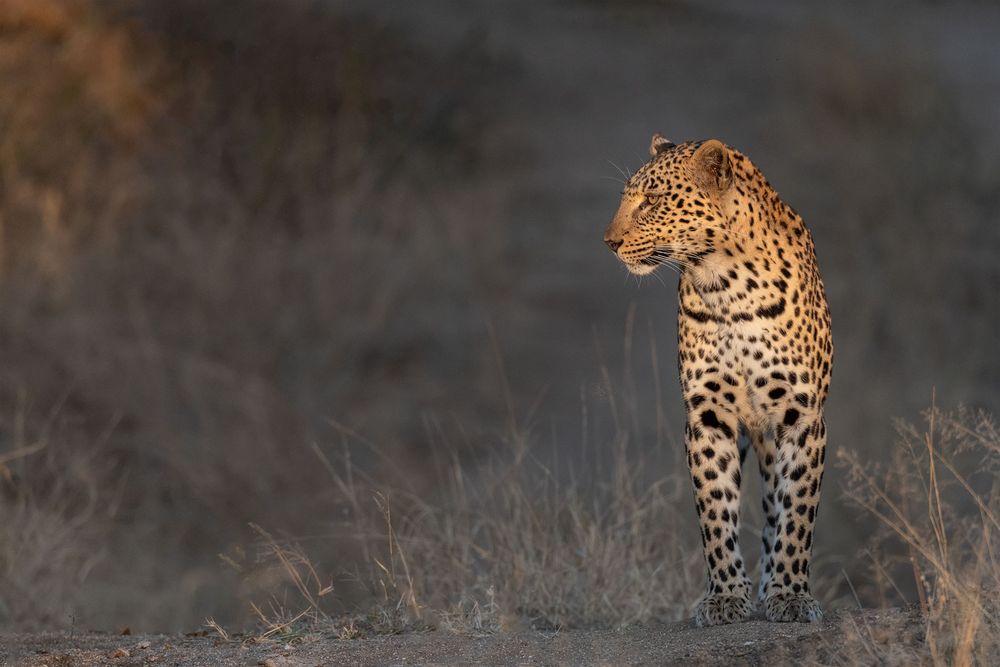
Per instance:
(755,642)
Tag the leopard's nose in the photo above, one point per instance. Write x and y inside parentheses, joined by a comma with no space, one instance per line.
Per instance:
(614,244)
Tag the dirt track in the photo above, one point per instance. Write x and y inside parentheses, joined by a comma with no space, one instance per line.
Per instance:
(753,643)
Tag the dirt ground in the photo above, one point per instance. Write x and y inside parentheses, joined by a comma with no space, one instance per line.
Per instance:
(752,643)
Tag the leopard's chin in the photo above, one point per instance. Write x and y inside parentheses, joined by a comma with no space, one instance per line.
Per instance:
(642,267)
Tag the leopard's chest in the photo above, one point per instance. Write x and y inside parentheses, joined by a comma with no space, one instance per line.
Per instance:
(745,366)
(750,353)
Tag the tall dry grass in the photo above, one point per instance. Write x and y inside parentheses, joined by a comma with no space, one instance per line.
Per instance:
(520,539)
(937,503)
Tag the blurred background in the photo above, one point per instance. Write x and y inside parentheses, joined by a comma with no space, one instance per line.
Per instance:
(241,243)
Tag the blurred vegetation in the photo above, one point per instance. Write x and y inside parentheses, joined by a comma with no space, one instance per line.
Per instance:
(219,224)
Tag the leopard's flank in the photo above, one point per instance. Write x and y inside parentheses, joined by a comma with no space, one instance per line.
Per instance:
(755,358)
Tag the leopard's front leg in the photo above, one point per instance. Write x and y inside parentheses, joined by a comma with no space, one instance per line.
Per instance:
(799,470)
(766,450)
(714,461)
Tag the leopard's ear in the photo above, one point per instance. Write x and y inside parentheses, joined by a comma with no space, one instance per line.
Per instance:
(658,144)
(711,163)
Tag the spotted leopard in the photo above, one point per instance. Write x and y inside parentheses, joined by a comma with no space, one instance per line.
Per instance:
(755,357)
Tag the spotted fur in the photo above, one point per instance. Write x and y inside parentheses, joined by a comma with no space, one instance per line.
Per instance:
(755,357)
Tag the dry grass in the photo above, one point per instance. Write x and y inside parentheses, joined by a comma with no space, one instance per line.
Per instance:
(514,544)
(520,540)
(939,501)
(54,519)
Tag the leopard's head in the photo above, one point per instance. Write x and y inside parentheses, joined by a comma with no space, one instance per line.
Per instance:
(671,209)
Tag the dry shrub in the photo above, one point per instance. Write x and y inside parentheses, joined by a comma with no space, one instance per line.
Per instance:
(938,504)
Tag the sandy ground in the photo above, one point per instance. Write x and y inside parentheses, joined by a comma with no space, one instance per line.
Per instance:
(752,643)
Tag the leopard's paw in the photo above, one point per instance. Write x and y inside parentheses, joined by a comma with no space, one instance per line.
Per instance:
(718,609)
(792,608)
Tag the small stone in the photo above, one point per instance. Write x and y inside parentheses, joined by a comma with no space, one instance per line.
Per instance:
(119,653)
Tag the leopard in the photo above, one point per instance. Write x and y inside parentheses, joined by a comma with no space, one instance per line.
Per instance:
(755,358)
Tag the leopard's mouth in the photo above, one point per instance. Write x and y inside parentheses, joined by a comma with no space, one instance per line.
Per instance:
(659,256)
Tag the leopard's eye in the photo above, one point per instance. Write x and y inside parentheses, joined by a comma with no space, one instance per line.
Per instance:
(652,199)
